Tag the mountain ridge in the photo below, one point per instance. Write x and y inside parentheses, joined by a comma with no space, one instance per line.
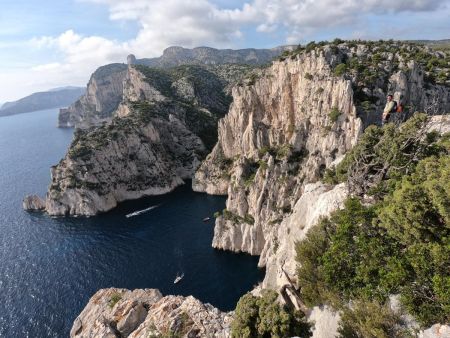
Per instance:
(104,89)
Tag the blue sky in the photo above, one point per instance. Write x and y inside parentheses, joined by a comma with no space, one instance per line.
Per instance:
(48,43)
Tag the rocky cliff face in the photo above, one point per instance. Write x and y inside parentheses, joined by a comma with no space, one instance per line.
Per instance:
(286,126)
(157,138)
(278,135)
(105,88)
(103,95)
(122,313)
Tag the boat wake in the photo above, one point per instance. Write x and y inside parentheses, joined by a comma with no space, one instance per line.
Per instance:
(178,279)
(139,212)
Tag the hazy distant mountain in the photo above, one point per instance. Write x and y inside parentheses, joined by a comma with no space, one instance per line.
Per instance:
(175,56)
(64,88)
(54,98)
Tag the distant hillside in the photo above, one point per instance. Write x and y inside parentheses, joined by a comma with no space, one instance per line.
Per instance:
(43,100)
(105,87)
(435,44)
(176,56)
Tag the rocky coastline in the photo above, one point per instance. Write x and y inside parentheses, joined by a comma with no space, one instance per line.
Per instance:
(286,125)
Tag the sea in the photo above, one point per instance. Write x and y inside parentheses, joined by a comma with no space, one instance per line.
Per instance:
(50,267)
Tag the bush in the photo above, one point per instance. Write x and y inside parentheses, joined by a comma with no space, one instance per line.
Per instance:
(383,155)
(369,319)
(399,245)
(334,114)
(115,298)
(310,46)
(340,69)
(423,200)
(308,76)
(257,317)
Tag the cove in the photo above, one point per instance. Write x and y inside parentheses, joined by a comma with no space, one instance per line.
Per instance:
(50,267)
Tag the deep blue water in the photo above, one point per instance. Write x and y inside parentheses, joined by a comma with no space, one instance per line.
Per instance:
(50,267)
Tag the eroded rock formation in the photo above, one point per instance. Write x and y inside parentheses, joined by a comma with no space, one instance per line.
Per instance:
(285,127)
(121,313)
(158,136)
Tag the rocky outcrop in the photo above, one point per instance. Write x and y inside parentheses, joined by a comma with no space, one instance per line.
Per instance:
(286,126)
(318,200)
(159,135)
(102,169)
(436,331)
(146,313)
(104,89)
(33,203)
(103,95)
(278,136)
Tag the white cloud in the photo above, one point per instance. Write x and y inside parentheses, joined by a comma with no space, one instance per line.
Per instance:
(163,23)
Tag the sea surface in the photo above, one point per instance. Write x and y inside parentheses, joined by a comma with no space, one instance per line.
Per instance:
(50,267)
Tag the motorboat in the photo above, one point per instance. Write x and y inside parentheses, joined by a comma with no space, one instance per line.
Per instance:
(179,277)
(139,212)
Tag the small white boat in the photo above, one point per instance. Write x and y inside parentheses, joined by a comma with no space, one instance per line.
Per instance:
(139,212)
(178,278)
(206,219)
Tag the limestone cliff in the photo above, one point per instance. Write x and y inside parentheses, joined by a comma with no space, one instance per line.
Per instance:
(285,126)
(104,90)
(292,121)
(113,313)
(103,95)
(159,134)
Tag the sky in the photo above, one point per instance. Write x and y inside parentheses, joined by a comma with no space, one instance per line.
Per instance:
(52,43)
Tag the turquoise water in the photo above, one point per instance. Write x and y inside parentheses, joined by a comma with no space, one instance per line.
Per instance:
(50,267)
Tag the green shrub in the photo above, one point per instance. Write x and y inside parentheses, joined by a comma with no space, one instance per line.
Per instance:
(249,180)
(422,199)
(259,317)
(400,245)
(366,105)
(330,176)
(334,114)
(283,151)
(236,219)
(340,69)
(115,298)
(383,155)
(370,319)
(262,165)
(308,76)
(310,46)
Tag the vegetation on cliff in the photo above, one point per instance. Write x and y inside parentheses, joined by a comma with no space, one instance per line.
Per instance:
(260,317)
(200,95)
(370,66)
(358,257)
